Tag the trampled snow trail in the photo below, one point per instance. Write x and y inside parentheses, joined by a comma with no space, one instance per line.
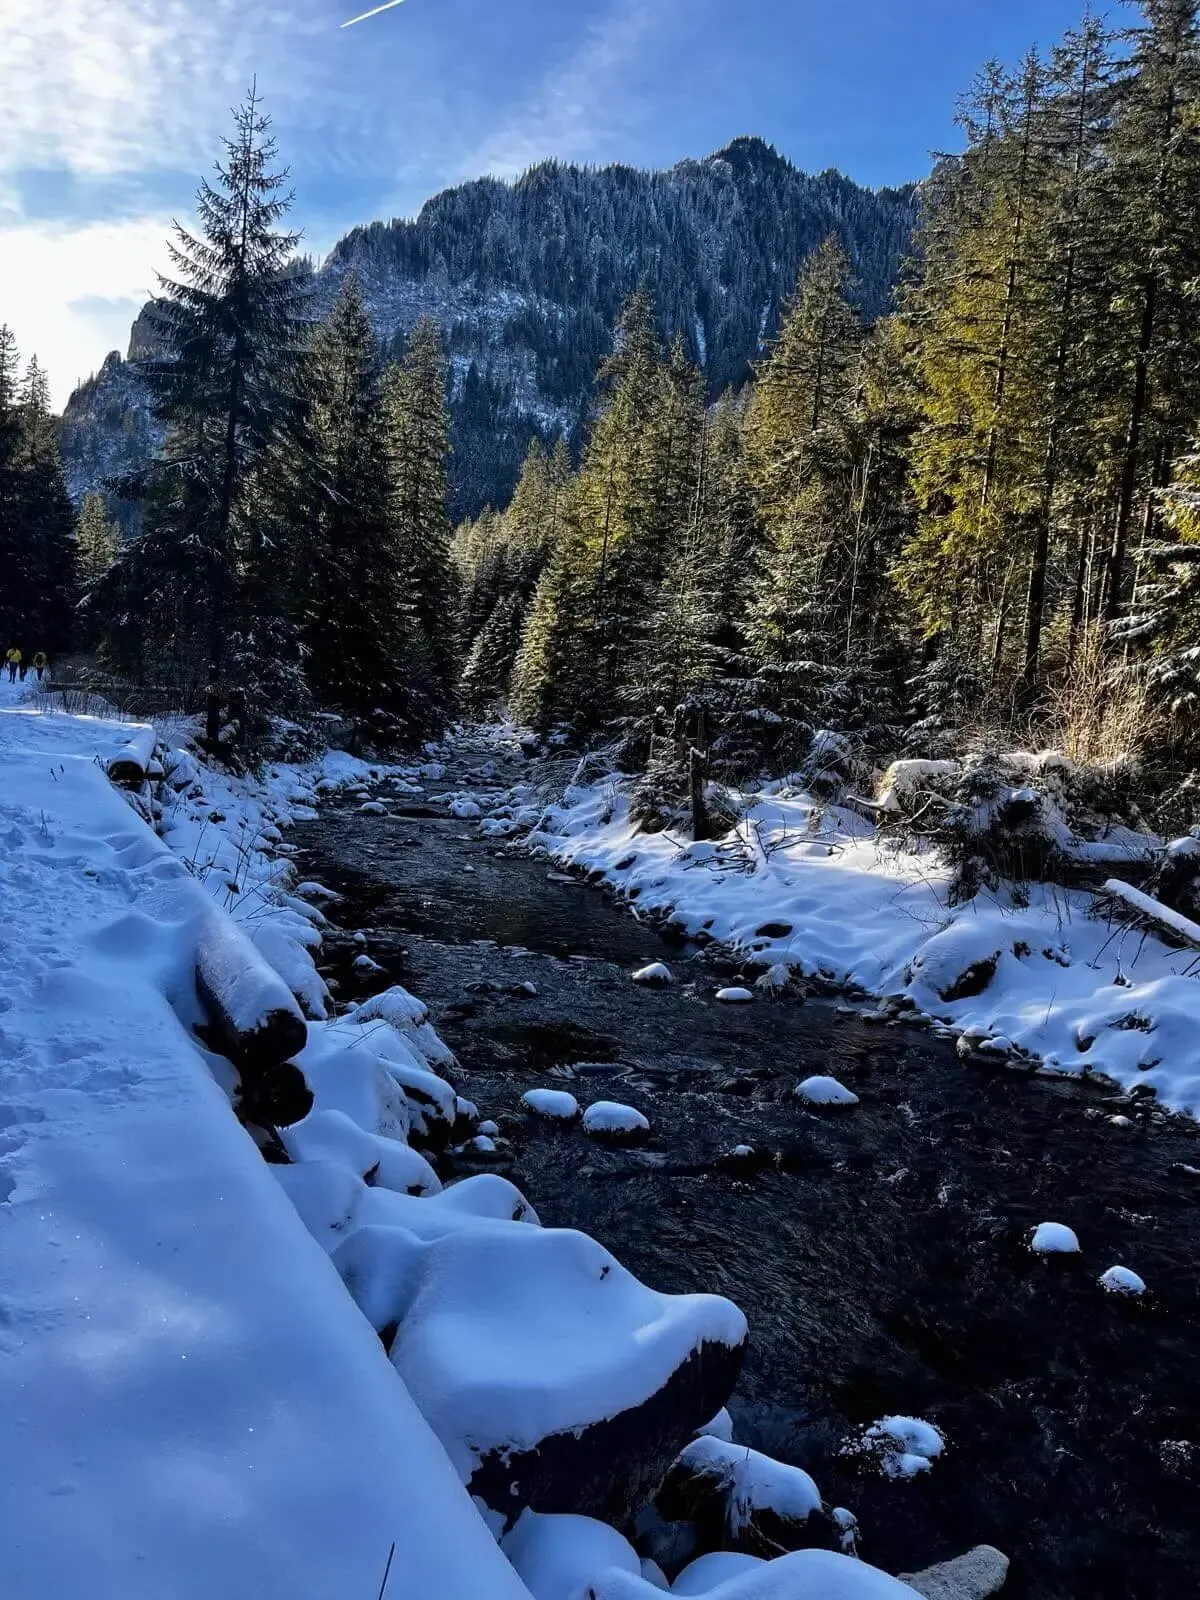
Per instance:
(190,1405)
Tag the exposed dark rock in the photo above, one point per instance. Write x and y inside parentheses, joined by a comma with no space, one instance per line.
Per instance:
(612,1468)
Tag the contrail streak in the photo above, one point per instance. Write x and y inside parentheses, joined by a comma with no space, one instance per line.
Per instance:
(386,6)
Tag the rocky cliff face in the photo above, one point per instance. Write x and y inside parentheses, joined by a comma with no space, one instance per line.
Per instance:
(526,280)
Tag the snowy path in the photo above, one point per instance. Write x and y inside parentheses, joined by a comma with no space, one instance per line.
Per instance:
(190,1405)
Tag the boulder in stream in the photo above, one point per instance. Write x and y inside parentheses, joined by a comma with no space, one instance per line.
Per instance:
(977,1575)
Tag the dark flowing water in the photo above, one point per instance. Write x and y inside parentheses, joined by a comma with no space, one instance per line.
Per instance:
(880,1255)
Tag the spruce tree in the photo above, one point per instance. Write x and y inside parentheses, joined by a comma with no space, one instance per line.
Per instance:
(41,580)
(230,321)
(418,442)
(1149,218)
(98,540)
(799,446)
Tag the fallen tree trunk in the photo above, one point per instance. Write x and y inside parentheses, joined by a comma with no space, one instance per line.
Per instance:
(257,1017)
(131,764)
(1142,908)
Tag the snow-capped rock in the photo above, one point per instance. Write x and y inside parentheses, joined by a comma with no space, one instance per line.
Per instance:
(824,1091)
(734,995)
(1120,1280)
(608,1119)
(553,1104)
(1054,1239)
(656,975)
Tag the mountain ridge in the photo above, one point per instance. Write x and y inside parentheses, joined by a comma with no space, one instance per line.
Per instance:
(526,276)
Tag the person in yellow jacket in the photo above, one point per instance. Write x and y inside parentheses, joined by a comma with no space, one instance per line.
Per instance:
(13,661)
(40,664)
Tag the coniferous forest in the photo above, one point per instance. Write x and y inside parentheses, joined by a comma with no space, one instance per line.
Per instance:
(977,509)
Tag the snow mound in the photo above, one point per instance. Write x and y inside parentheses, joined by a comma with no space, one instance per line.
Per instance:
(1054,1239)
(656,974)
(608,1119)
(803,1575)
(466,809)
(1120,1280)
(707,1574)
(556,1556)
(555,1104)
(822,1091)
(734,995)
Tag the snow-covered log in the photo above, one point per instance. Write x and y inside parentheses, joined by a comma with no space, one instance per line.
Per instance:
(254,1012)
(1142,908)
(131,764)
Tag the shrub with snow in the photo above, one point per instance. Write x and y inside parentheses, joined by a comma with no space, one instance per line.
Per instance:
(898,1447)
(743,1498)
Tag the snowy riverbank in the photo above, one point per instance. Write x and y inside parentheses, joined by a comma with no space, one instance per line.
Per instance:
(808,887)
(193,1405)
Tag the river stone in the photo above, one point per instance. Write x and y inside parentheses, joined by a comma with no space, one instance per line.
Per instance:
(975,1576)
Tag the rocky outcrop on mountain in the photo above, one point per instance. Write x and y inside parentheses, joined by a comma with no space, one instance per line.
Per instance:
(108,430)
(526,280)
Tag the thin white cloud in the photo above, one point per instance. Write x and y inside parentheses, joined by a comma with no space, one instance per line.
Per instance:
(113,86)
(70,293)
(579,101)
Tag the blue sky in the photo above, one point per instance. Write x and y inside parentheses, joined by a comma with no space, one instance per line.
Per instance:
(110,109)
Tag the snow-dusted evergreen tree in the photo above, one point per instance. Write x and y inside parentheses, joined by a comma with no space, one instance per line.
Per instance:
(229,319)
(501,560)
(37,520)
(418,442)
(578,648)
(330,517)
(98,540)
(800,448)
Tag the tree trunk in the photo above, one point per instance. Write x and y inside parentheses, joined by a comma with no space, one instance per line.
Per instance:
(1131,456)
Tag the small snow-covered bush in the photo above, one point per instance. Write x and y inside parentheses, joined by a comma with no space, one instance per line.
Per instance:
(1015,815)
